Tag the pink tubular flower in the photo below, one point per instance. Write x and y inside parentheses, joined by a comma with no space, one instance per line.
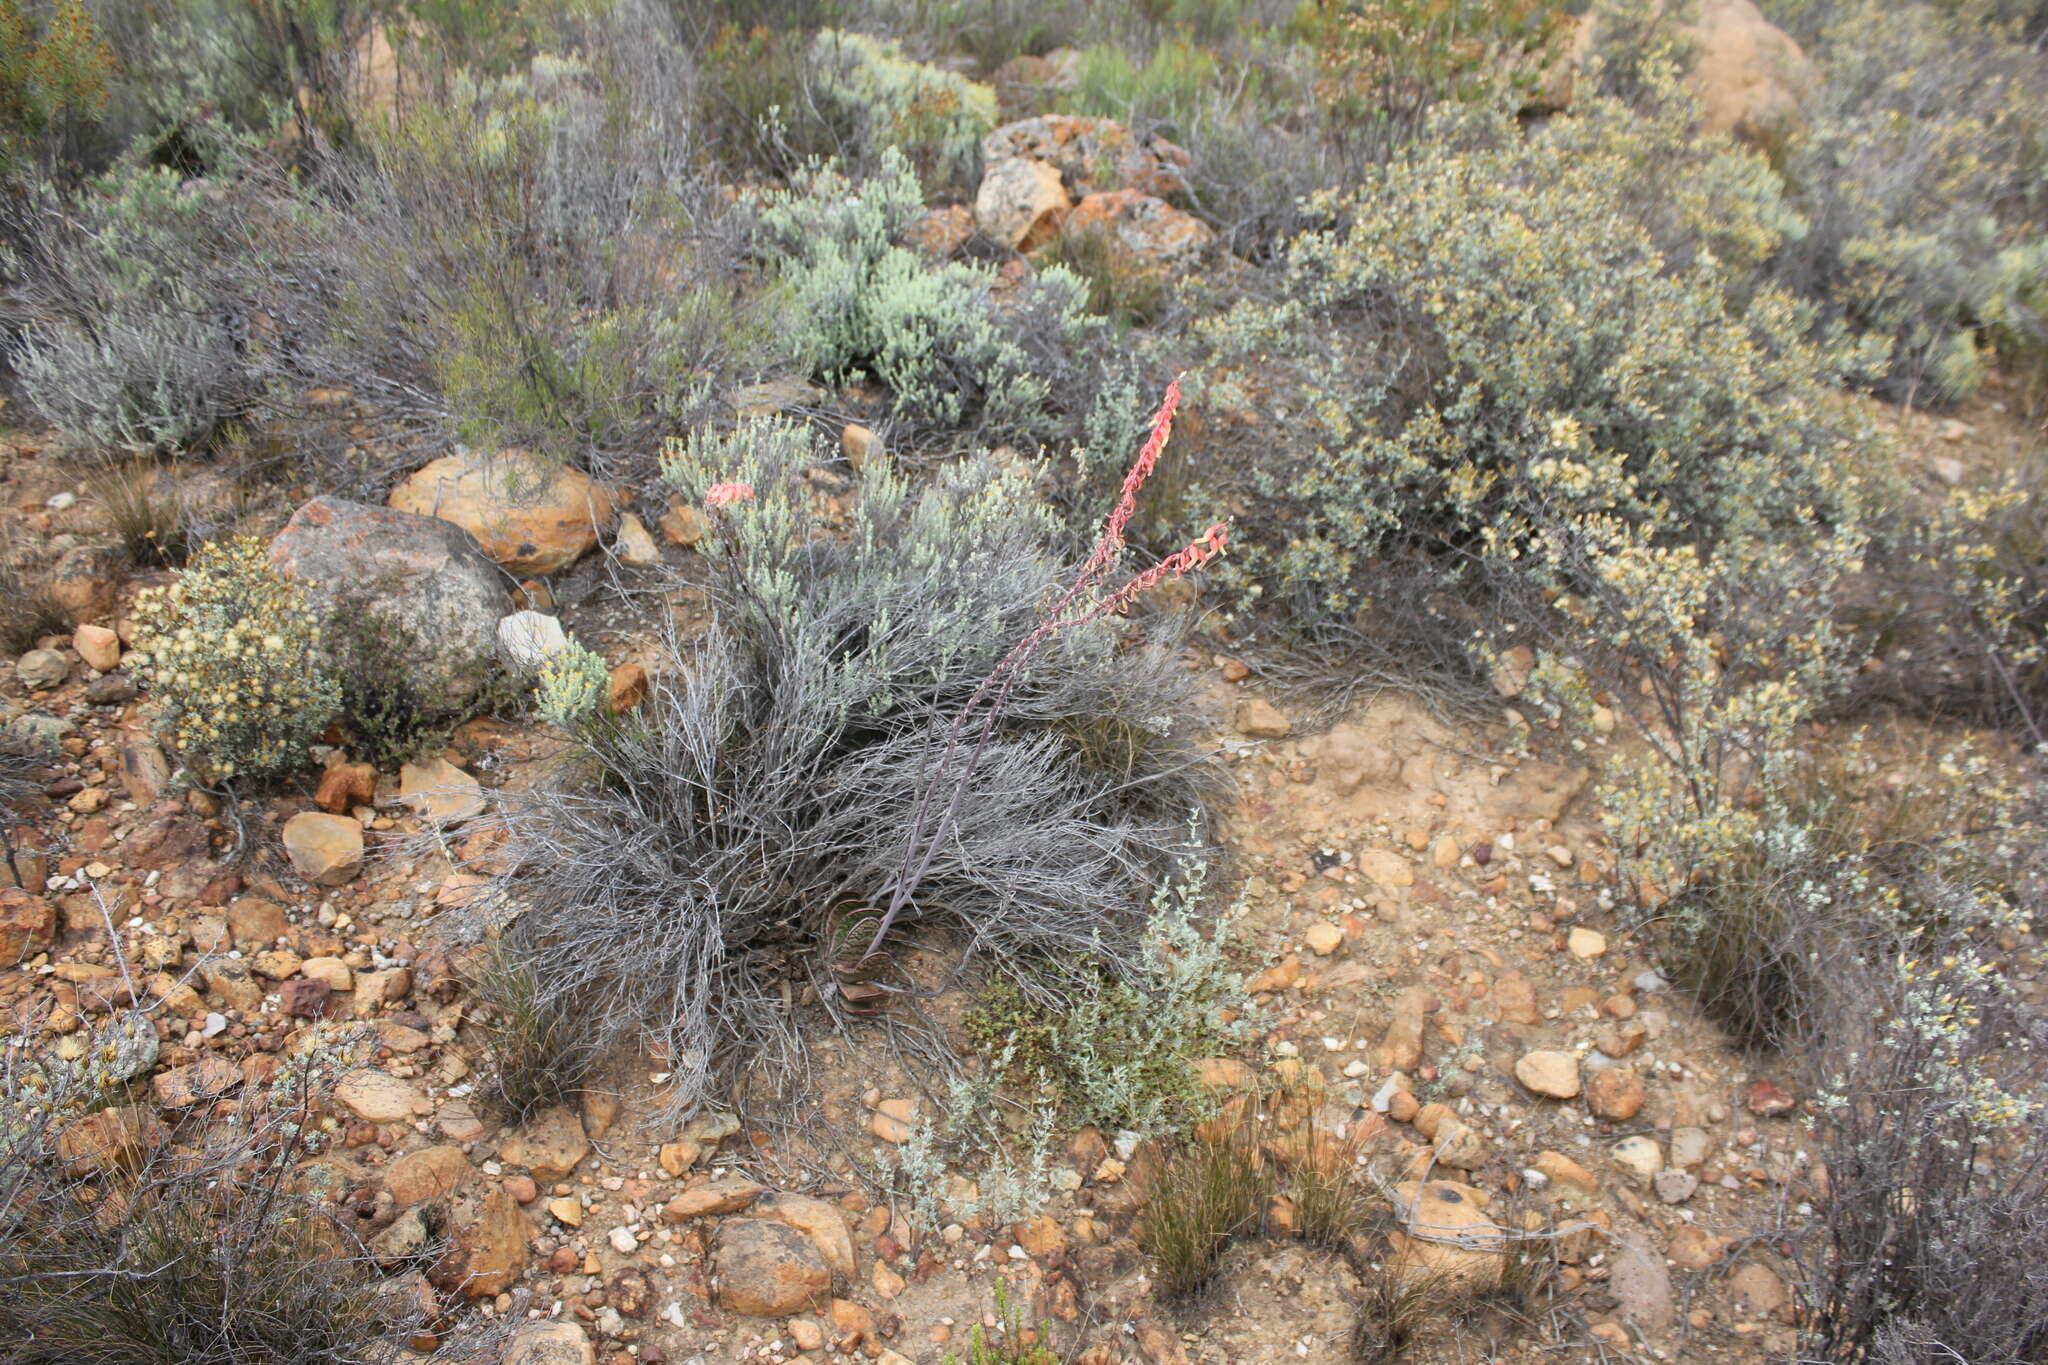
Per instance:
(719,494)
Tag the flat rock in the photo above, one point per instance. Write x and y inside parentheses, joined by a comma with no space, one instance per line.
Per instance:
(1258,718)
(1549,1072)
(324,849)
(527,514)
(380,1097)
(550,1145)
(430,1173)
(488,1252)
(1641,1285)
(439,792)
(718,1197)
(821,1223)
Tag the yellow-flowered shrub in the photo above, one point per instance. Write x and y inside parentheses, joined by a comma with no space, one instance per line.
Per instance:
(231,655)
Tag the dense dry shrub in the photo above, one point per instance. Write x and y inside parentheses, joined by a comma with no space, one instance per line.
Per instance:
(954,354)
(53,86)
(1923,175)
(231,653)
(719,843)
(1500,354)
(128,1241)
(1929,1231)
(535,260)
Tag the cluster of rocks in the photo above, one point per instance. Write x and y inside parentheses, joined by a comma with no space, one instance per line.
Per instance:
(1061,173)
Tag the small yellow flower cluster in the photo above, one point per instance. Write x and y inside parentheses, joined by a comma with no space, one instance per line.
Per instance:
(572,685)
(231,654)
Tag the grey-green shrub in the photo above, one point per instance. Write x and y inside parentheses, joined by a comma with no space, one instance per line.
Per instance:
(1923,174)
(1488,345)
(934,117)
(954,354)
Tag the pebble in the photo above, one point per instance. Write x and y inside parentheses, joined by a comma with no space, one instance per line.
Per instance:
(1640,1156)
(622,1241)
(1585,943)
(1549,1072)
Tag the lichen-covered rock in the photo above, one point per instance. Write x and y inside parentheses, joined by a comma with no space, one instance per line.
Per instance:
(768,1270)
(1153,232)
(1092,154)
(426,572)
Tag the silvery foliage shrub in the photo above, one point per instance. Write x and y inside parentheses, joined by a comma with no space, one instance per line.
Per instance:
(1923,175)
(689,871)
(136,302)
(1515,341)
(934,116)
(954,353)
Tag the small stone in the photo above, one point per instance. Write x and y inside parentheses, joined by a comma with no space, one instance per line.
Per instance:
(1566,1171)
(1674,1187)
(331,970)
(706,1201)
(1324,938)
(633,545)
(324,849)
(684,524)
(893,1120)
(98,646)
(1689,1147)
(1757,1290)
(305,999)
(41,670)
(1767,1099)
(1549,1072)
(1258,718)
(1585,943)
(528,638)
(145,771)
(1459,1145)
(622,1241)
(626,688)
(1640,1156)
(550,1145)
(345,786)
(1444,853)
(1401,1048)
(1615,1094)
(566,1210)
(487,1254)
(860,445)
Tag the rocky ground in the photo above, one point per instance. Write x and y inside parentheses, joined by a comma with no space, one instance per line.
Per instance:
(1429,905)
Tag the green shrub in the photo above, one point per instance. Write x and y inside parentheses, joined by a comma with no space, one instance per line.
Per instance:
(934,117)
(231,655)
(1124,1055)
(1017,1342)
(953,356)
(52,84)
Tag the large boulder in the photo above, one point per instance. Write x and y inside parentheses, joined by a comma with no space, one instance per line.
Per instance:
(529,515)
(428,573)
